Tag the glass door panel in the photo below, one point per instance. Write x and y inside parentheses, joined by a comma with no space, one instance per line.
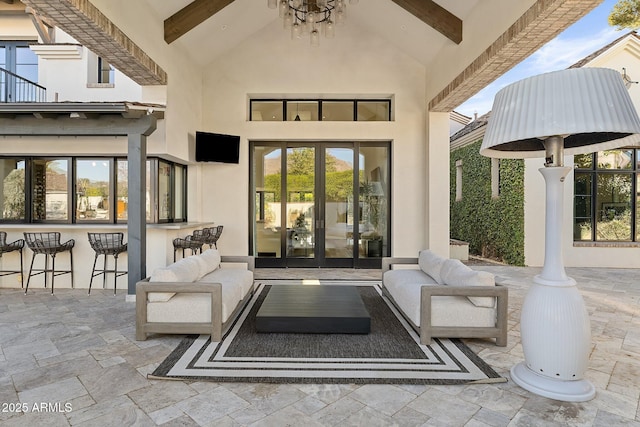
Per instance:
(373,201)
(320,204)
(267,167)
(339,204)
(300,203)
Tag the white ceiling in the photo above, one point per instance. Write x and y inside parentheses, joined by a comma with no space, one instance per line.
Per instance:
(242,18)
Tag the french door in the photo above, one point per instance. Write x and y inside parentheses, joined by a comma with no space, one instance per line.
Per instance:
(320,204)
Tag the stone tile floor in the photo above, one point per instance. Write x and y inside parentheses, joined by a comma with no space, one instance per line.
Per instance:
(71,359)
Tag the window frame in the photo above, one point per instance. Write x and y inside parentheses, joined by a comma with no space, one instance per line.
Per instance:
(293,101)
(71,187)
(111,188)
(593,171)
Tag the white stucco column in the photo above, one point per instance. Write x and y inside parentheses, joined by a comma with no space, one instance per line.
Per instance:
(437,185)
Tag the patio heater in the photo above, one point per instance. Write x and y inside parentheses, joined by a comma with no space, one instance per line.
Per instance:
(566,112)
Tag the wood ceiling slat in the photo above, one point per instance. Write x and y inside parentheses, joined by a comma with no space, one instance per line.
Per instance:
(190,17)
(434,15)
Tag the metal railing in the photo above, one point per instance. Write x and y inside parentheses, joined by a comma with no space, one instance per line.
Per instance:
(14,88)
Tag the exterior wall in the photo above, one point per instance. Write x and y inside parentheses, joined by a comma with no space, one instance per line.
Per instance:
(16,26)
(55,67)
(355,64)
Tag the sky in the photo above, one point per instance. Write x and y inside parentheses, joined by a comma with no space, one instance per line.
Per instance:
(581,39)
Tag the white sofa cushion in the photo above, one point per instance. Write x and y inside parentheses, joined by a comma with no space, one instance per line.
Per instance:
(445,310)
(184,270)
(236,281)
(455,273)
(404,285)
(184,308)
(431,264)
(397,278)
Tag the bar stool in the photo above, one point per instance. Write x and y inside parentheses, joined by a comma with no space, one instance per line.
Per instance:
(48,244)
(193,242)
(10,247)
(107,244)
(212,235)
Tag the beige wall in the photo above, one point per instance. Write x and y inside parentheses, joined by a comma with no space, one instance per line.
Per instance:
(353,65)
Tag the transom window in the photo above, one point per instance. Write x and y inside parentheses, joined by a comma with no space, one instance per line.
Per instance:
(606,199)
(87,190)
(336,110)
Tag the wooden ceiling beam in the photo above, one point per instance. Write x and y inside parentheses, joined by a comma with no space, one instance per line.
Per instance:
(543,21)
(191,16)
(434,15)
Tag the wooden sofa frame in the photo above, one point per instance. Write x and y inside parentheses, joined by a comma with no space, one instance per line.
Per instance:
(427,331)
(216,327)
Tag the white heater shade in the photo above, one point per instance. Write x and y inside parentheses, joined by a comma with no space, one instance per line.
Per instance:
(589,107)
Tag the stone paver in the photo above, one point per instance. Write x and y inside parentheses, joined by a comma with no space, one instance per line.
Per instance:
(80,350)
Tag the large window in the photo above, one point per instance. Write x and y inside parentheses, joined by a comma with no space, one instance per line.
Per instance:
(18,84)
(606,198)
(87,190)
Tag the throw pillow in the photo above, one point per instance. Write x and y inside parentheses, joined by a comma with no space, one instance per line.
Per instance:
(163,274)
(458,274)
(431,264)
(211,257)
(185,270)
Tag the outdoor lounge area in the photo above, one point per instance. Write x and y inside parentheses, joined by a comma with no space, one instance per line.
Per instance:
(80,351)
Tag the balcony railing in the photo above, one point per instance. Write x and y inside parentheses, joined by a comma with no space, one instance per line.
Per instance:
(14,88)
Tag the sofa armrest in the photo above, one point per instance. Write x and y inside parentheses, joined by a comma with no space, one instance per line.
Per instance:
(249,260)
(388,262)
(144,287)
(498,291)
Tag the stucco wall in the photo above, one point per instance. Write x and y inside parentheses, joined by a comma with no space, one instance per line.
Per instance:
(355,64)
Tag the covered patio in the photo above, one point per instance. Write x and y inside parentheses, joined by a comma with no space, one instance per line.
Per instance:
(79,350)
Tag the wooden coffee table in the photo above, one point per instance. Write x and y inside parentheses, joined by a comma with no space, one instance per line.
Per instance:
(313,309)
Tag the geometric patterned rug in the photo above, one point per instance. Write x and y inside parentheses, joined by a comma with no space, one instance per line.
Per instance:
(390,354)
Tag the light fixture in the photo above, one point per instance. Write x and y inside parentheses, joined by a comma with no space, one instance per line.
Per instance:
(573,111)
(627,80)
(297,119)
(311,17)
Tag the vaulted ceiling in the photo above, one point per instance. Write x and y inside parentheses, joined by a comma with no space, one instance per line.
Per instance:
(428,11)
(206,29)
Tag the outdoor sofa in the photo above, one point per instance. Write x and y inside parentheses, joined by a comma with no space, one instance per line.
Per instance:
(200,294)
(444,298)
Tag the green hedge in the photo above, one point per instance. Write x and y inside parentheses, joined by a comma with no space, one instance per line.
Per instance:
(494,228)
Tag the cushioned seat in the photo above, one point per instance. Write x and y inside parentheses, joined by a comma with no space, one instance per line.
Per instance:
(194,295)
(406,289)
(445,298)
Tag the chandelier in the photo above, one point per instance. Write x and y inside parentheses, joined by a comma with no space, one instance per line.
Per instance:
(311,17)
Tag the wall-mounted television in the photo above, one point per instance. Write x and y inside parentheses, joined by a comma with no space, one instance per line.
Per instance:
(217,147)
